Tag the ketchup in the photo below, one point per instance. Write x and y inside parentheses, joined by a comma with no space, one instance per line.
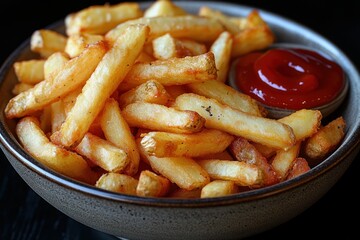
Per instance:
(289,78)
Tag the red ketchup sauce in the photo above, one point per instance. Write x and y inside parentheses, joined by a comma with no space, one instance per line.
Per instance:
(289,78)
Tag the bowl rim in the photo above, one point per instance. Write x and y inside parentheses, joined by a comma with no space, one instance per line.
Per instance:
(9,145)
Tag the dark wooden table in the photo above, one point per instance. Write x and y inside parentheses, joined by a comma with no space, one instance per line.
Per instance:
(26,216)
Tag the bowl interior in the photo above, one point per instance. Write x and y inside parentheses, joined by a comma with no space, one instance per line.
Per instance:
(286,31)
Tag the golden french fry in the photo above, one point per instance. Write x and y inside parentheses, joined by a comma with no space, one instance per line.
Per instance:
(30,71)
(226,95)
(225,20)
(59,159)
(225,155)
(102,153)
(300,166)
(325,140)
(176,90)
(144,57)
(117,182)
(174,71)
(99,19)
(256,36)
(72,75)
(21,87)
(222,117)
(103,82)
(151,91)
(164,8)
(185,194)
(222,51)
(45,119)
(187,26)
(46,42)
(243,174)
(117,131)
(284,160)
(166,47)
(54,63)
(165,144)
(244,151)
(58,115)
(76,43)
(158,117)
(152,185)
(219,188)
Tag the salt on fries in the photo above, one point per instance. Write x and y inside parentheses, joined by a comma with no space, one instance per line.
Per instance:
(136,101)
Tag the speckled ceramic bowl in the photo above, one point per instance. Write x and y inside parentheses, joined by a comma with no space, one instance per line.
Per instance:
(230,217)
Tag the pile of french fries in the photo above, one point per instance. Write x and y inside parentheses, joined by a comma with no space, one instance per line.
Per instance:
(136,101)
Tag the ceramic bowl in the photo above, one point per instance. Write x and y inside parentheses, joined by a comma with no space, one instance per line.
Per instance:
(231,217)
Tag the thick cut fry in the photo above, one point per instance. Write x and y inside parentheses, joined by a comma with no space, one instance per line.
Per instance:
(100,19)
(158,117)
(244,151)
(197,28)
(284,160)
(102,153)
(58,115)
(165,144)
(21,87)
(103,82)
(318,146)
(54,63)
(222,51)
(46,42)
(151,91)
(185,194)
(219,188)
(256,36)
(164,8)
(226,95)
(61,160)
(76,43)
(72,75)
(166,47)
(219,116)
(117,182)
(117,131)
(152,185)
(299,167)
(30,71)
(243,174)
(175,71)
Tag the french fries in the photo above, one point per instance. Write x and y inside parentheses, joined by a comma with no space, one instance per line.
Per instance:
(136,101)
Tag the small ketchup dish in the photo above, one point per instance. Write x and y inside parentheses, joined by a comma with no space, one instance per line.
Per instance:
(289,77)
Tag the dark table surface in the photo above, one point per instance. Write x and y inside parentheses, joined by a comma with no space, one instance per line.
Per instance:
(25,215)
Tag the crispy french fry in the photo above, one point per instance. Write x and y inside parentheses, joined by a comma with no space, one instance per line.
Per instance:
(151,91)
(158,117)
(218,188)
(164,8)
(59,159)
(54,63)
(325,140)
(30,71)
(175,71)
(244,151)
(103,82)
(225,155)
(46,42)
(102,153)
(152,185)
(21,87)
(226,95)
(178,26)
(176,90)
(300,166)
(99,19)
(76,43)
(73,74)
(117,182)
(185,194)
(58,115)
(222,51)
(117,131)
(219,116)
(243,174)
(284,160)
(165,144)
